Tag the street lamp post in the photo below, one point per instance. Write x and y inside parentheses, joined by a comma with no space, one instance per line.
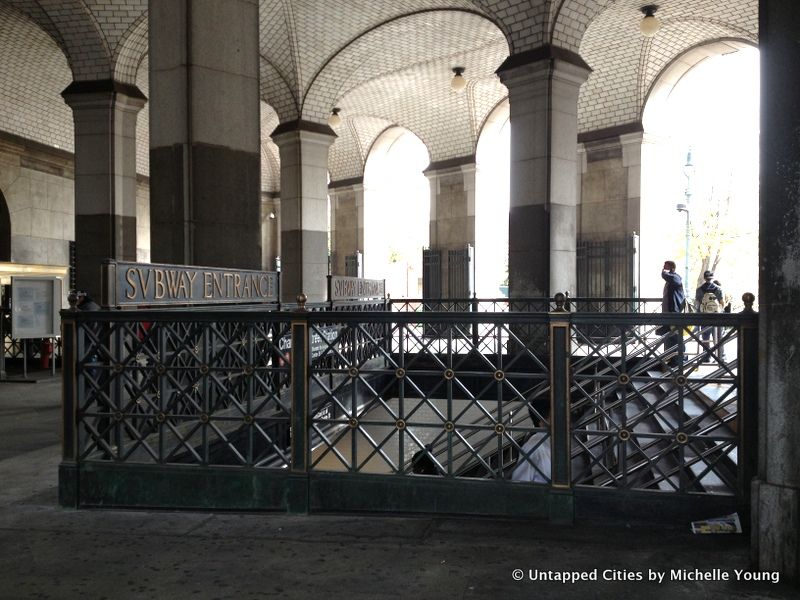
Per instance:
(688,172)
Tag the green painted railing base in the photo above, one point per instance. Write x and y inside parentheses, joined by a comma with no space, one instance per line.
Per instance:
(68,485)
(110,485)
(592,504)
(336,492)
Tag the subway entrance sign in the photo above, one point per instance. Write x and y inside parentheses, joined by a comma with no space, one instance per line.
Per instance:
(147,284)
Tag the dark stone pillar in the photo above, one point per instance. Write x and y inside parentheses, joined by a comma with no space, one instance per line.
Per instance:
(776,491)
(304,208)
(105,175)
(452,219)
(347,222)
(543,87)
(204,133)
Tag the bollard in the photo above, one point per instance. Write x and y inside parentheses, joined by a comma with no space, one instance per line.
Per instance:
(46,349)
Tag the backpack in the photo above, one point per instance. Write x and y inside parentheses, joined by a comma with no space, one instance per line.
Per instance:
(709,303)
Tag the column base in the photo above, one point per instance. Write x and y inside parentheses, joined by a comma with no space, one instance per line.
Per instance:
(775,537)
(561,506)
(68,485)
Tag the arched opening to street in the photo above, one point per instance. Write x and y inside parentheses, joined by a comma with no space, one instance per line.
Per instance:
(700,170)
(396,212)
(491,204)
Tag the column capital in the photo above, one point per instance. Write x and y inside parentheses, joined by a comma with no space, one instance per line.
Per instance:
(89,94)
(607,133)
(450,164)
(354,184)
(532,65)
(290,131)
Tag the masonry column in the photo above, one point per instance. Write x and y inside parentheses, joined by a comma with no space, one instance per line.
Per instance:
(270,230)
(304,208)
(105,175)
(610,208)
(347,221)
(776,491)
(543,89)
(452,218)
(204,133)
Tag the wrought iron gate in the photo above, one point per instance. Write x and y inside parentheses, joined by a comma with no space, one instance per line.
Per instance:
(431,273)
(353,266)
(461,272)
(609,268)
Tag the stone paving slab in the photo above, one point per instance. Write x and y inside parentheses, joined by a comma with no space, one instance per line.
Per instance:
(47,552)
(58,553)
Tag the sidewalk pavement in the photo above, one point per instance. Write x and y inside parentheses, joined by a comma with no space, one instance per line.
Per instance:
(47,552)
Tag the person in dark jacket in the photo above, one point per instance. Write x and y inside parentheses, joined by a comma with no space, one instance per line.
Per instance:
(709,286)
(85,301)
(704,304)
(673,297)
(672,301)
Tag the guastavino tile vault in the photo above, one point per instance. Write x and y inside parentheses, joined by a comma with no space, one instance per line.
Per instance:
(201,147)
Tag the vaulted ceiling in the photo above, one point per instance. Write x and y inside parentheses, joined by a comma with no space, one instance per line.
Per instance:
(383,62)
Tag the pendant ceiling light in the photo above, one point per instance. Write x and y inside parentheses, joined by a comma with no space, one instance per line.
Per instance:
(458,82)
(650,25)
(335,120)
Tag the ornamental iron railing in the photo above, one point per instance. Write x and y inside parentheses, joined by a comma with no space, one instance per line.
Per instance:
(602,401)
(593,305)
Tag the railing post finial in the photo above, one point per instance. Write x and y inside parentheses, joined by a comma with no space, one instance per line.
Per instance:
(748,298)
(301,302)
(72,299)
(560,300)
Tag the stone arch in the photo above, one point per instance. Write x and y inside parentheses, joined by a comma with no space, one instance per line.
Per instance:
(131,51)
(410,86)
(33,72)
(658,93)
(626,66)
(492,201)
(569,19)
(396,211)
(718,184)
(270,155)
(495,118)
(338,73)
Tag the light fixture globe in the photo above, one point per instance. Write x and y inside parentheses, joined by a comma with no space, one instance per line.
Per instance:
(458,82)
(650,24)
(335,120)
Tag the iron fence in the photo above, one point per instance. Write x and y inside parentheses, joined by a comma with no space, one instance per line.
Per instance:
(365,410)
(574,304)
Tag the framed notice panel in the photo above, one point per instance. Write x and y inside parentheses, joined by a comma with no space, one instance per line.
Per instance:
(35,306)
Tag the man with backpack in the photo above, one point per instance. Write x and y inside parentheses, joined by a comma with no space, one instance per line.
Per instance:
(708,298)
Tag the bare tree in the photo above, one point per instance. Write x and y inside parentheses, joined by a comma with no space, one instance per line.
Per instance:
(713,231)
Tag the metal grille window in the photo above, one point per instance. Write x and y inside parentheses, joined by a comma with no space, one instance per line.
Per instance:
(608,268)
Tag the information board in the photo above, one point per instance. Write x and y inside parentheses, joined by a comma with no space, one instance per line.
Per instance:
(35,306)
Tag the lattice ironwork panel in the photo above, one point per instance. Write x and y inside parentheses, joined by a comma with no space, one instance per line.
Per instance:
(457,405)
(592,305)
(186,392)
(656,409)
